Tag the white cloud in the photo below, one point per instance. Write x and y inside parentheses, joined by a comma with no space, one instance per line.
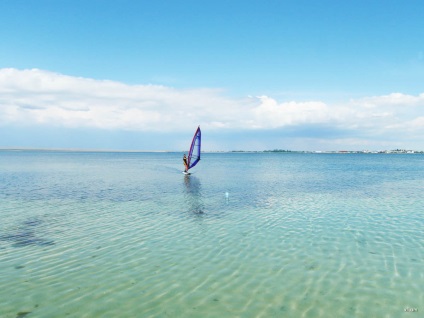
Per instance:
(37,97)
(270,114)
(391,114)
(394,99)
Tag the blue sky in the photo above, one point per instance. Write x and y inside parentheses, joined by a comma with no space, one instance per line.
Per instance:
(312,75)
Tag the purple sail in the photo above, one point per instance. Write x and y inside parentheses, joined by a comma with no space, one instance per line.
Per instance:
(194,154)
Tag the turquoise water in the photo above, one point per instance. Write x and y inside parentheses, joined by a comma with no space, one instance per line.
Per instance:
(246,235)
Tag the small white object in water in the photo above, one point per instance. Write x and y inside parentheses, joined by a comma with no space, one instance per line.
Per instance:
(227,195)
(407,309)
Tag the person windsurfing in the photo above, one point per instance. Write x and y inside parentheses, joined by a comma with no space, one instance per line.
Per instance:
(194,154)
(185,163)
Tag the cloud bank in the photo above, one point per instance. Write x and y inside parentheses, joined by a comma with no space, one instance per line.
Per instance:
(42,98)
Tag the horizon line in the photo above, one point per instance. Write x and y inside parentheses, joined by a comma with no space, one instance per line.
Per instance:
(207,151)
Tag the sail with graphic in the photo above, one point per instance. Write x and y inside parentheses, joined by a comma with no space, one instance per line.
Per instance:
(194,153)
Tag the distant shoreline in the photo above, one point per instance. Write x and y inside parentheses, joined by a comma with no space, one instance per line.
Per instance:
(395,151)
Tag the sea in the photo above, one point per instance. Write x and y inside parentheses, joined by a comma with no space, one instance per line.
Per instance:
(115,234)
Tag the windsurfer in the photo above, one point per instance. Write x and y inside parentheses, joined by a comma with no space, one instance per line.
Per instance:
(185,163)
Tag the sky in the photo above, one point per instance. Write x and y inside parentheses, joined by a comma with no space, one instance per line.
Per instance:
(255,75)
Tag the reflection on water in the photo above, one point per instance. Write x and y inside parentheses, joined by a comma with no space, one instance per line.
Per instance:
(193,194)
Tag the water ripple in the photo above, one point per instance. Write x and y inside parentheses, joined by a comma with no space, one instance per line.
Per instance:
(112,236)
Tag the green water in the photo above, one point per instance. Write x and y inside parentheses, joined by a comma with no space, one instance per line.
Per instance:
(246,235)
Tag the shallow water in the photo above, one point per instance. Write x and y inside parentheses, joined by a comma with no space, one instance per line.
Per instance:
(128,235)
